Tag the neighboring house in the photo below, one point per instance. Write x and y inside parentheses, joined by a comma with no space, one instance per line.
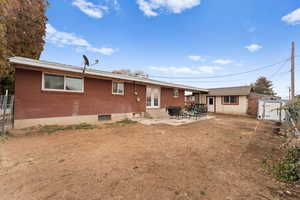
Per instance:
(229,100)
(50,93)
(232,100)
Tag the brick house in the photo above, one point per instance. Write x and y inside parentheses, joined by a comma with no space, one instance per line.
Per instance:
(52,93)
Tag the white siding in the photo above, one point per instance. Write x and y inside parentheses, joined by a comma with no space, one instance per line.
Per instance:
(240,109)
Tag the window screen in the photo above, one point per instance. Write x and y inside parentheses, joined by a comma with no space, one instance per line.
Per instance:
(55,82)
(74,84)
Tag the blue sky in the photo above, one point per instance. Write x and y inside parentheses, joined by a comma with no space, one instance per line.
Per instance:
(183,41)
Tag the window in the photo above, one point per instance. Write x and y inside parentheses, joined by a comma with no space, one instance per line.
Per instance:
(62,83)
(211,101)
(176,93)
(118,88)
(54,82)
(74,84)
(230,100)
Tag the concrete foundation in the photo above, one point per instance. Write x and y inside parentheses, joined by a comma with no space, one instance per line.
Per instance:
(25,123)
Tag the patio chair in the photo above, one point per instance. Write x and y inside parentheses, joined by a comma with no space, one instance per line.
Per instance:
(197,110)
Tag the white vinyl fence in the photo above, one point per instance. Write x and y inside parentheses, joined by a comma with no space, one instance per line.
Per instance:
(271,110)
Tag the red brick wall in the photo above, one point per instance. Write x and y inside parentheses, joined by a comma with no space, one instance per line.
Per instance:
(167,98)
(32,102)
(253,104)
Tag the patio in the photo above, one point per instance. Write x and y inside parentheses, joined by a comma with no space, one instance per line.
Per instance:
(172,121)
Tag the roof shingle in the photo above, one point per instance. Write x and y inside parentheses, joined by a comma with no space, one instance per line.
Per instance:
(240,91)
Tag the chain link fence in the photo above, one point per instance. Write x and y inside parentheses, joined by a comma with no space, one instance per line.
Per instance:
(6,113)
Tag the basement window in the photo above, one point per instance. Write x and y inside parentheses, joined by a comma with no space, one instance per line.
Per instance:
(230,100)
(53,82)
(118,88)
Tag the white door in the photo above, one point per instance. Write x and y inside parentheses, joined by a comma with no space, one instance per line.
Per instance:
(210,104)
(153,97)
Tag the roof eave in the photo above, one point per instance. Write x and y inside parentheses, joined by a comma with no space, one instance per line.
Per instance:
(16,60)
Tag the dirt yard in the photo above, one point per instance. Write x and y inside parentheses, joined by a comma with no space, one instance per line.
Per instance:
(217,159)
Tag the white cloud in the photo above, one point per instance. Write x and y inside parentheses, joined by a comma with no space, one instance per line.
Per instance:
(222,62)
(95,11)
(62,39)
(293,17)
(153,8)
(253,47)
(103,50)
(209,69)
(196,58)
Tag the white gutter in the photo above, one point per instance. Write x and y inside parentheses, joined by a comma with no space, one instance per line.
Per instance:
(62,67)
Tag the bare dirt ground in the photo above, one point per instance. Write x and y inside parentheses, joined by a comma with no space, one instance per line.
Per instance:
(217,159)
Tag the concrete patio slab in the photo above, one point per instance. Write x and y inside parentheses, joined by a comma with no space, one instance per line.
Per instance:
(173,122)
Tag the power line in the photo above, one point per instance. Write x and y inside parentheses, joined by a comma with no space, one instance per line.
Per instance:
(226,75)
(235,80)
(275,74)
(279,69)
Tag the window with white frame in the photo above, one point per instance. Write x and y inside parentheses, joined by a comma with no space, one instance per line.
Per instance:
(118,88)
(62,83)
(176,92)
(231,100)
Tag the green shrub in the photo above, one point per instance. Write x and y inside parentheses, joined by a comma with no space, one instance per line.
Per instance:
(294,110)
(288,168)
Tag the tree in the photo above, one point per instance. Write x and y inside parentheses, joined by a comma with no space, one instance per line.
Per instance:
(263,86)
(22,31)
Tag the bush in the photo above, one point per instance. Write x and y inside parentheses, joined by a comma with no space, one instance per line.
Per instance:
(294,109)
(288,168)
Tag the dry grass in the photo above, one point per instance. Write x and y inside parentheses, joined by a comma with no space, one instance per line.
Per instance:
(214,160)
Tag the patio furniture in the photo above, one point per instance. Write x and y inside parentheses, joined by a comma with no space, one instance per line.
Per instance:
(174,111)
(194,110)
(197,110)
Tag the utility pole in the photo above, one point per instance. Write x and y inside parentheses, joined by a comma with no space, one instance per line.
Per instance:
(293,71)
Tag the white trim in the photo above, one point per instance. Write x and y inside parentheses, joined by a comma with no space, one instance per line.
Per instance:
(112,88)
(63,90)
(61,67)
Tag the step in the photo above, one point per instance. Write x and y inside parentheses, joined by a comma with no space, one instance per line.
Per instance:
(160,113)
